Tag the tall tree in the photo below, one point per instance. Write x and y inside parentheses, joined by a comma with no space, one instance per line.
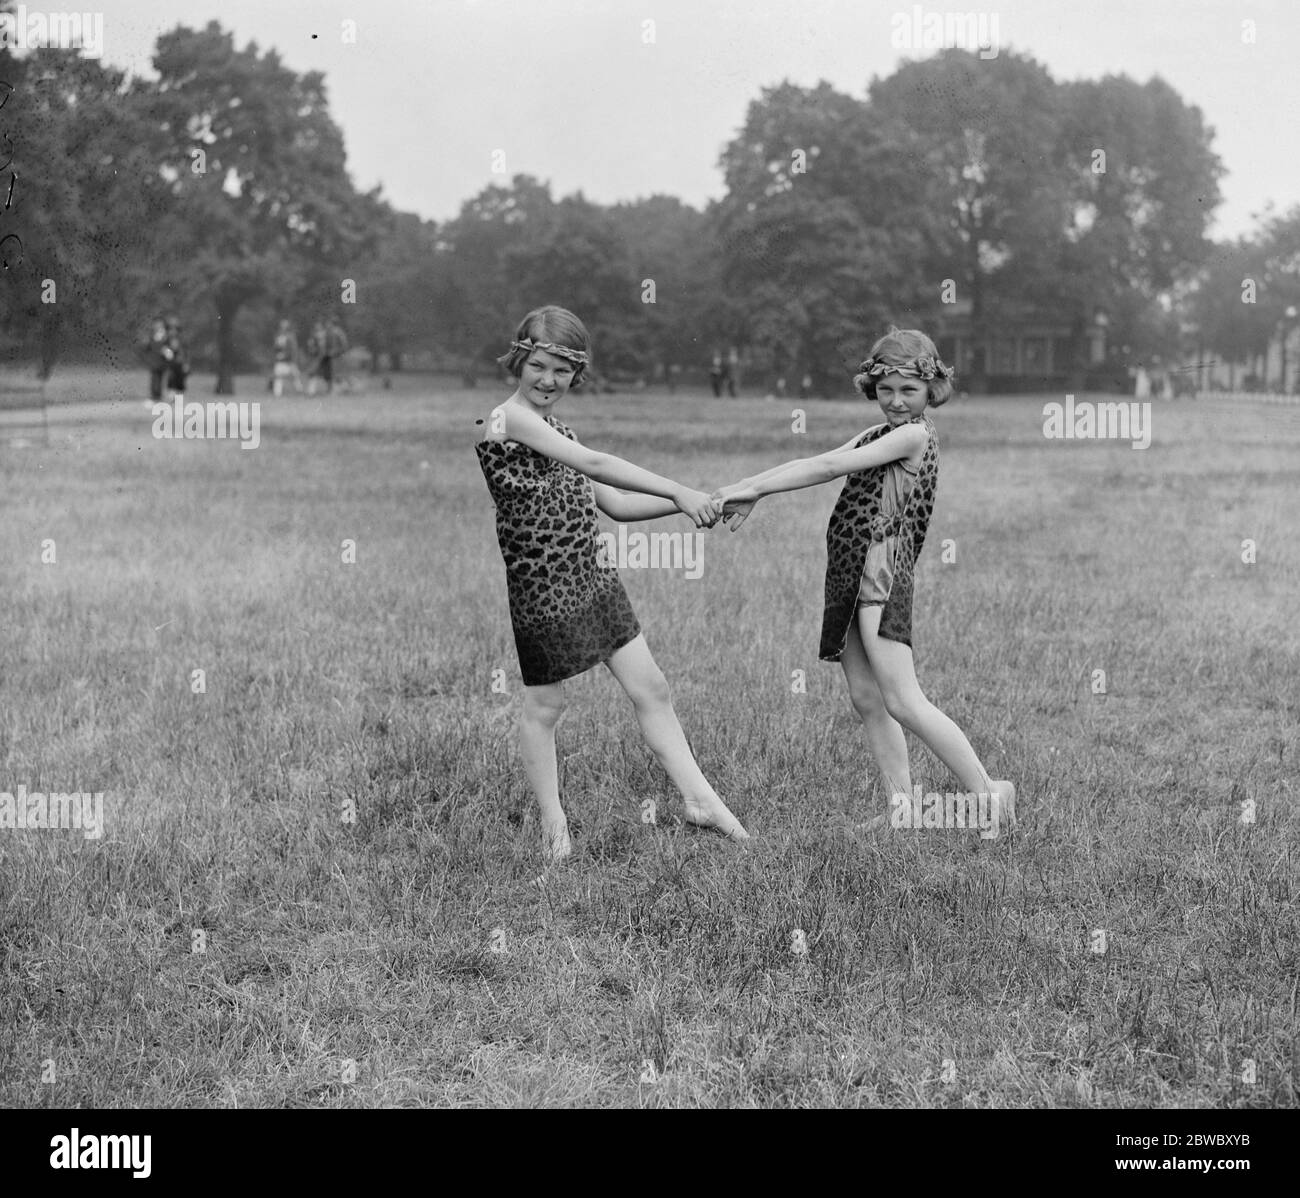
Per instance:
(1234,311)
(1280,241)
(70,201)
(1144,185)
(256,172)
(581,261)
(987,163)
(671,246)
(818,232)
(399,287)
(473,250)
(1282,278)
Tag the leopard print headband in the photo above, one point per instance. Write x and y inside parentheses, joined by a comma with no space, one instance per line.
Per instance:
(922,367)
(576,356)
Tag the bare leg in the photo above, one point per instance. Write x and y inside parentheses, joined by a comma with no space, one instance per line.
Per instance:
(543,706)
(893,667)
(645,685)
(884,733)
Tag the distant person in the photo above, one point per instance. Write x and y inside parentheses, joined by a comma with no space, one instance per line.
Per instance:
(336,346)
(151,351)
(286,360)
(321,369)
(733,372)
(178,360)
(1160,387)
(717,373)
(1141,384)
(805,387)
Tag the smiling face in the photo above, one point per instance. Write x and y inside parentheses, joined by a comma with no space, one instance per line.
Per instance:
(901,397)
(544,378)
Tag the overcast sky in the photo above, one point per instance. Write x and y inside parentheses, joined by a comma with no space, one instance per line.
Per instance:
(572,92)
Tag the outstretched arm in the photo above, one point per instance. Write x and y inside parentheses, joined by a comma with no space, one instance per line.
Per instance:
(511,422)
(628,507)
(775,470)
(739,498)
(810,472)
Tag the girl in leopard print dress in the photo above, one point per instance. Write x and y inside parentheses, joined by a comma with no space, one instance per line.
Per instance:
(874,538)
(567,605)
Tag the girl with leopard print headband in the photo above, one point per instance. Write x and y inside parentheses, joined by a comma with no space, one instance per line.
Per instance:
(568,608)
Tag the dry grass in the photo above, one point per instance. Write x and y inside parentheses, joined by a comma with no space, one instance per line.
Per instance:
(353,964)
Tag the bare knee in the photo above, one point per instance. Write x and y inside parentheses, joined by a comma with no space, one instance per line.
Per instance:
(543,706)
(866,700)
(650,690)
(864,694)
(907,707)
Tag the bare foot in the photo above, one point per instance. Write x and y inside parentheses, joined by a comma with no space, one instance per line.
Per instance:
(716,815)
(1003,804)
(1008,801)
(556,845)
(875,826)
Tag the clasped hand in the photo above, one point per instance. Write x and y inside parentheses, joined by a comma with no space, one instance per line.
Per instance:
(730,504)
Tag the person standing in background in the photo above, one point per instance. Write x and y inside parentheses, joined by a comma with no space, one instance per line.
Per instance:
(336,346)
(151,351)
(318,351)
(716,373)
(1141,383)
(178,361)
(286,360)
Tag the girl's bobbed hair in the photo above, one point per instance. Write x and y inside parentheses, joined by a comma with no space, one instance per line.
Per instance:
(906,351)
(555,330)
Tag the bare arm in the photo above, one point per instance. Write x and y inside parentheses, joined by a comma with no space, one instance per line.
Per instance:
(754,478)
(738,499)
(810,472)
(627,508)
(513,423)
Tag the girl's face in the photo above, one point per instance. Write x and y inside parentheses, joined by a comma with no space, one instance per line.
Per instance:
(544,378)
(901,397)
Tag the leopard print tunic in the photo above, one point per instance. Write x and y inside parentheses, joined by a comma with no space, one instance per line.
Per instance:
(568,610)
(858,520)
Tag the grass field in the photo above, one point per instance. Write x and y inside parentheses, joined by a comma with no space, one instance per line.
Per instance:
(232,940)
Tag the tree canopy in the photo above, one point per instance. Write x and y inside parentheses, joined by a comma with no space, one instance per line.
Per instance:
(220,191)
